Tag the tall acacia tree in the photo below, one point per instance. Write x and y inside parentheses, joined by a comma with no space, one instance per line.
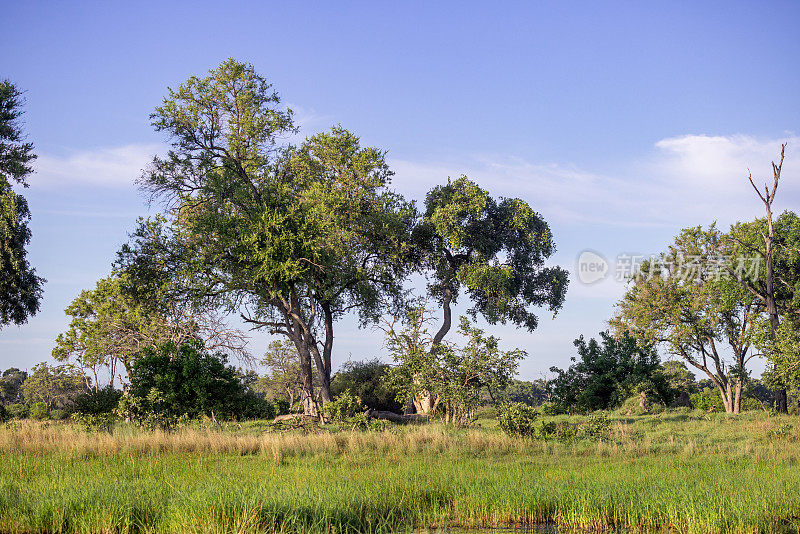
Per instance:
(291,237)
(492,250)
(20,287)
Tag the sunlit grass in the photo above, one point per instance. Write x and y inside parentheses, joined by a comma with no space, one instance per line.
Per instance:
(680,472)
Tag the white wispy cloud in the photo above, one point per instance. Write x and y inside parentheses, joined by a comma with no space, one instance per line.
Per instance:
(690,179)
(111,167)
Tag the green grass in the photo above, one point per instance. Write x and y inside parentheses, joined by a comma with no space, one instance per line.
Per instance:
(677,472)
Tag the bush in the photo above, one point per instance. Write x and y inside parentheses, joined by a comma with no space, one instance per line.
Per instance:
(95,422)
(345,406)
(707,400)
(598,425)
(368,381)
(18,411)
(253,406)
(549,408)
(282,407)
(59,415)
(39,411)
(4,415)
(517,419)
(103,400)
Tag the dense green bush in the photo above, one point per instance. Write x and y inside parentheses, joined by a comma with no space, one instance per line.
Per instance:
(104,400)
(4,415)
(168,383)
(517,419)
(253,406)
(707,400)
(282,407)
(58,414)
(95,422)
(598,425)
(368,381)
(18,410)
(39,411)
(346,405)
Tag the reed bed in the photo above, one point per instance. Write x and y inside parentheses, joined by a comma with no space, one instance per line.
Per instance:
(686,474)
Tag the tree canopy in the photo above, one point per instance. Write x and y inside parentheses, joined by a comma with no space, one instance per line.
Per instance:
(20,287)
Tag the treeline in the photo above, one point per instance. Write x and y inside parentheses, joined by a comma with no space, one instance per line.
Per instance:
(291,237)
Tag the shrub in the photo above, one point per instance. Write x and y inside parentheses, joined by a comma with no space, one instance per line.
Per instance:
(59,415)
(103,400)
(549,408)
(4,415)
(707,400)
(368,381)
(150,412)
(253,406)
(282,407)
(345,406)
(517,419)
(95,422)
(598,425)
(18,411)
(39,411)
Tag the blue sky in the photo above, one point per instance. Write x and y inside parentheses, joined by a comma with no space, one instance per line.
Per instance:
(620,122)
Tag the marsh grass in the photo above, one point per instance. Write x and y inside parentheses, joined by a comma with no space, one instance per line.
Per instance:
(681,472)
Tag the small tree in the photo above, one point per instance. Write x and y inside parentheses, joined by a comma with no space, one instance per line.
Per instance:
(453,376)
(56,386)
(284,377)
(608,372)
(684,302)
(11,385)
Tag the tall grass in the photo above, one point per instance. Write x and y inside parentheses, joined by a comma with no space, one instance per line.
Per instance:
(681,473)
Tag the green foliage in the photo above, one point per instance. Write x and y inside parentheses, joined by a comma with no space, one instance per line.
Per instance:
(282,407)
(345,406)
(4,415)
(517,419)
(608,372)
(284,378)
(454,376)
(367,380)
(59,415)
(531,393)
(169,382)
(18,411)
(300,233)
(707,400)
(103,400)
(494,250)
(20,287)
(11,385)
(39,411)
(108,325)
(96,422)
(56,386)
(598,425)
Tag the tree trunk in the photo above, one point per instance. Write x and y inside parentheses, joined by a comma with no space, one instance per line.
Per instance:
(448,298)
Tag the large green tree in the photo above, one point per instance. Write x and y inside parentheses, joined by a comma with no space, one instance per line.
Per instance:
(685,302)
(492,250)
(290,237)
(20,287)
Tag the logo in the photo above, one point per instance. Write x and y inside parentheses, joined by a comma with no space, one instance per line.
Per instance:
(592,267)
